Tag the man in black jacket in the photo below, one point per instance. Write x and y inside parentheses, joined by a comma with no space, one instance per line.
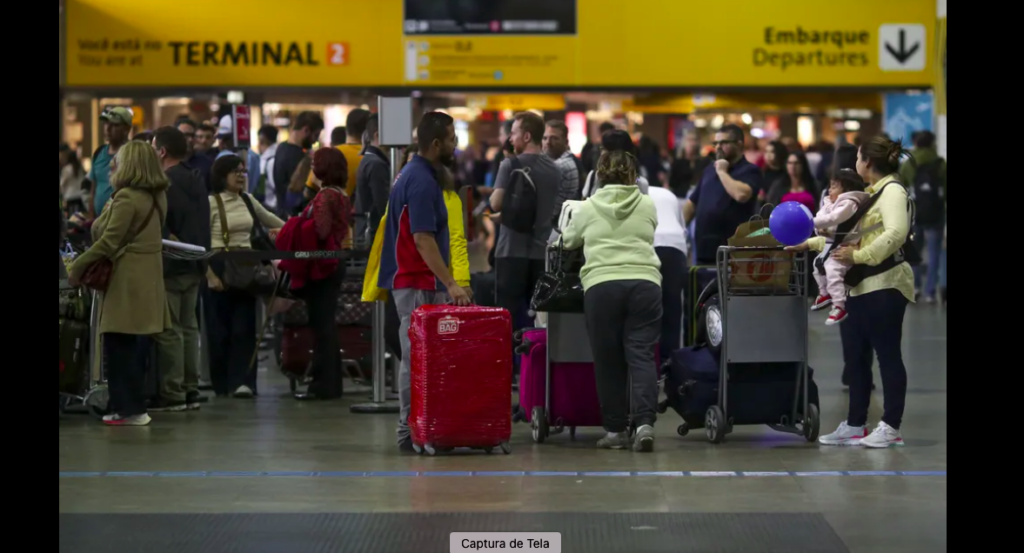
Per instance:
(187,221)
(373,183)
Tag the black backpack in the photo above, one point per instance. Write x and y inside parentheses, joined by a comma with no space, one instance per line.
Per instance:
(519,210)
(929,194)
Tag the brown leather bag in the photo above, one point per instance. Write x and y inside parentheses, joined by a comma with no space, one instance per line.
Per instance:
(97,276)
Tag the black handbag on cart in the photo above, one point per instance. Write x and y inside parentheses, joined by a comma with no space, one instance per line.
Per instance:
(559,290)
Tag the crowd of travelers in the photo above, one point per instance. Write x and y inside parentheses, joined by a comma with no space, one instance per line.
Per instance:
(641,218)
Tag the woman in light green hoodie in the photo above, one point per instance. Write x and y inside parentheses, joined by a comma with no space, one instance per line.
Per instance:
(622,279)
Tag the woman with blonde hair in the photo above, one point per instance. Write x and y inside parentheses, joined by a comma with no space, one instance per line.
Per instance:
(623,303)
(125,263)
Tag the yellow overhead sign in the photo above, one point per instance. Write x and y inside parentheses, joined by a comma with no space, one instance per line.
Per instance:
(607,44)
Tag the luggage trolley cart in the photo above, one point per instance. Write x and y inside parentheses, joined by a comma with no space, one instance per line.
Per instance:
(764,320)
(95,394)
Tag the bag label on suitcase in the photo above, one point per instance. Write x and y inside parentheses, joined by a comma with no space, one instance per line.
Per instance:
(448,326)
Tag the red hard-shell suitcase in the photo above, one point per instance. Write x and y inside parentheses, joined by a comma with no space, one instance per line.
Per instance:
(461,378)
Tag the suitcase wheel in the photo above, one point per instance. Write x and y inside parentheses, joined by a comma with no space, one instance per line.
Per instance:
(663,407)
(506,448)
(683,430)
(812,424)
(715,425)
(539,425)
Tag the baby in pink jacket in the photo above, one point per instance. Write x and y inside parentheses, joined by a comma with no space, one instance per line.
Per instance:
(846,194)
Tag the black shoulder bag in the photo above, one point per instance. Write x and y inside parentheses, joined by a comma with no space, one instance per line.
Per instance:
(558,291)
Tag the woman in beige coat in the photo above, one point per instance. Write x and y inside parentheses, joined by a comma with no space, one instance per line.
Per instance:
(129,234)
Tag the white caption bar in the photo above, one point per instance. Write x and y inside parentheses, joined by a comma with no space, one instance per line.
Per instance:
(525,542)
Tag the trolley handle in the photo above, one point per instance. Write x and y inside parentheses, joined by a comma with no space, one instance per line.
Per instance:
(752,248)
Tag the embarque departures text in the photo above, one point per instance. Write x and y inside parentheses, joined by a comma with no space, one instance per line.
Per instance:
(825,48)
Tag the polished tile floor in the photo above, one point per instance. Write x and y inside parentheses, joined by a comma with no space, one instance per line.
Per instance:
(273,455)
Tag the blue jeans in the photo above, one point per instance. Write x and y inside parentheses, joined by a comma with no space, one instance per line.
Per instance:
(932,238)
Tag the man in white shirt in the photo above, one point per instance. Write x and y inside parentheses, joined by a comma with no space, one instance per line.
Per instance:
(671,241)
(268,149)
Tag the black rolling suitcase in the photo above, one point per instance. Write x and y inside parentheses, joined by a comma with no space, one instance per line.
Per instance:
(759,393)
(74,356)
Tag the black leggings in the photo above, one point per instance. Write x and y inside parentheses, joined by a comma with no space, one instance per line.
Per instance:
(876,326)
(321,296)
(674,275)
(623,322)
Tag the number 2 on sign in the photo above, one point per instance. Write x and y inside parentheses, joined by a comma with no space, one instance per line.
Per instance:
(337,53)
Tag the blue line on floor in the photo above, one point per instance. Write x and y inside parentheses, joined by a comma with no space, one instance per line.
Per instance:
(513,474)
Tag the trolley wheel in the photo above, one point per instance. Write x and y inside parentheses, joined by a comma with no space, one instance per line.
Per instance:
(715,425)
(663,407)
(710,324)
(683,430)
(812,424)
(429,449)
(506,448)
(293,385)
(572,433)
(539,424)
(489,450)
(97,400)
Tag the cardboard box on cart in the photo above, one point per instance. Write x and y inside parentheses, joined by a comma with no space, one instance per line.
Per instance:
(763,270)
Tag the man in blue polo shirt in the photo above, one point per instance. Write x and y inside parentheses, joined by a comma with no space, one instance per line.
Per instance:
(417,253)
(724,199)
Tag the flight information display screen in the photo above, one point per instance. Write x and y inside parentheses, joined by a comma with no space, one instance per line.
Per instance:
(490,17)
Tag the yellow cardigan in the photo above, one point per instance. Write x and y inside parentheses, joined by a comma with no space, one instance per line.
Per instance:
(459,251)
(875,247)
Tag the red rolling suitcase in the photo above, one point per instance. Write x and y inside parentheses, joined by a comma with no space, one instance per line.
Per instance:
(297,352)
(461,378)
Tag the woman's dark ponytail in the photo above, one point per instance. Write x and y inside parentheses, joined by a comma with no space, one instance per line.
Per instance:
(885,154)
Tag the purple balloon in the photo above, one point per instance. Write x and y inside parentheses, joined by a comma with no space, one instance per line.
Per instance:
(792,223)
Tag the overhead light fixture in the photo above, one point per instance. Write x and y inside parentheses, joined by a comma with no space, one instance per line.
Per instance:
(748,119)
(236,97)
(700,123)
(718,121)
(852,126)
(757,133)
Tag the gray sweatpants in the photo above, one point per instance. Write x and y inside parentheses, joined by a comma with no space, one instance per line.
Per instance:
(406,302)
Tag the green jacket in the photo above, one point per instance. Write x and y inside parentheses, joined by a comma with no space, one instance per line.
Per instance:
(923,156)
(616,229)
(135,302)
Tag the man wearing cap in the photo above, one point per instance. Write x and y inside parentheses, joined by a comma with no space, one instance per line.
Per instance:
(117,124)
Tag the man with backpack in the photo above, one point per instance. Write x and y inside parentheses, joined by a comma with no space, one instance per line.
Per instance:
(925,177)
(525,195)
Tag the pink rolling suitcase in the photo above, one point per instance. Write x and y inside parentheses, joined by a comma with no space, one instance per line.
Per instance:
(573,400)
